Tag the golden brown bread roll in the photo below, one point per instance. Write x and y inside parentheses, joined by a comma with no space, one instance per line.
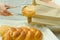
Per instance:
(22,33)
(28,11)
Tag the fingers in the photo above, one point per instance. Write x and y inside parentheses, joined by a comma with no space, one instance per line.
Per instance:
(4,6)
(7,6)
(5,13)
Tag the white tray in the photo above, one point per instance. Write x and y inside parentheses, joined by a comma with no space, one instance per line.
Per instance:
(47,34)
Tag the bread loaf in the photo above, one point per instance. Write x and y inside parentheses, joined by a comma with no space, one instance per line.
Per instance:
(22,33)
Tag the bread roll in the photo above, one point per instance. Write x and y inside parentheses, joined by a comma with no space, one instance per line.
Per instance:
(22,33)
(28,11)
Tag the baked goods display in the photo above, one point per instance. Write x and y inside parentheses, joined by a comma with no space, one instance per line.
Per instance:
(21,33)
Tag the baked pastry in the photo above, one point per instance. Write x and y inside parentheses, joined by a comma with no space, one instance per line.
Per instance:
(3,28)
(22,33)
(28,11)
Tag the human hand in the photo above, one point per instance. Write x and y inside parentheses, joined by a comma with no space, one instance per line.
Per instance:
(3,10)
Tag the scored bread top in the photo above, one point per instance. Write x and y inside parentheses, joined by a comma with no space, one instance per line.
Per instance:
(22,33)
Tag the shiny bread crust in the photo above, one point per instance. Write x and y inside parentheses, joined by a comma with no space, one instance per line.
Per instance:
(22,33)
